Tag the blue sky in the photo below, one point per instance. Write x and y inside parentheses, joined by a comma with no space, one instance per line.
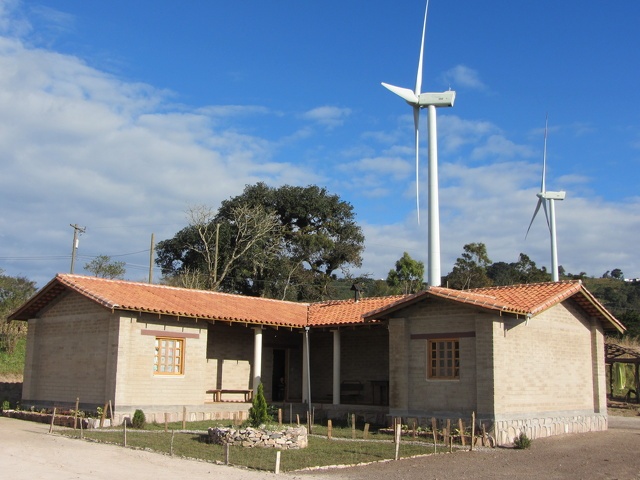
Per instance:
(118,116)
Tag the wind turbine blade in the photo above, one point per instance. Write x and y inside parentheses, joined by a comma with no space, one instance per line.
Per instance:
(544,158)
(419,75)
(404,93)
(540,201)
(416,123)
(546,214)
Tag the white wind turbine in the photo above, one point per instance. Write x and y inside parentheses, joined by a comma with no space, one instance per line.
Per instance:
(419,100)
(543,198)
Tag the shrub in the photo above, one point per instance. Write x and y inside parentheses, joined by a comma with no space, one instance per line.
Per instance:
(522,441)
(6,405)
(139,420)
(258,413)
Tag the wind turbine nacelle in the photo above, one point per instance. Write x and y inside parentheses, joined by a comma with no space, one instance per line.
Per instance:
(554,195)
(444,99)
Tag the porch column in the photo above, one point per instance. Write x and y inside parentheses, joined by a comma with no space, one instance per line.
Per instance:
(336,367)
(305,367)
(257,358)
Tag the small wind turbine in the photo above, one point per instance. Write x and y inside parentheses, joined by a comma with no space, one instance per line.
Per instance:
(419,100)
(551,197)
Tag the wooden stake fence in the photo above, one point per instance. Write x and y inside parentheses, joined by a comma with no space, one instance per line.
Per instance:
(75,416)
(53,416)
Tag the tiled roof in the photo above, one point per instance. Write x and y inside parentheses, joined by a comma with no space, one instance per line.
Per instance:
(526,300)
(345,312)
(160,299)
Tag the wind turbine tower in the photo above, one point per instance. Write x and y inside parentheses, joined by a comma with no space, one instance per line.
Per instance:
(418,100)
(550,197)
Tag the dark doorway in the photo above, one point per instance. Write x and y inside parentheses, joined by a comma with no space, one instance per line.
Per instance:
(279,377)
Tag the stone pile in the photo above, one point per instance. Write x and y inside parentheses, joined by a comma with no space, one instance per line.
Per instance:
(288,438)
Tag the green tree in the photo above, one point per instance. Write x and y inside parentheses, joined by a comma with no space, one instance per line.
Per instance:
(522,271)
(316,235)
(408,276)
(259,412)
(617,274)
(103,267)
(470,269)
(502,273)
(528,272)
(14,291)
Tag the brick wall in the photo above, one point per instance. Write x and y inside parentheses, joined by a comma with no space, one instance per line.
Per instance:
(137,384)
(545,364)
(441,397)
(69,357)
(364,358)
(229,356)
(543,376)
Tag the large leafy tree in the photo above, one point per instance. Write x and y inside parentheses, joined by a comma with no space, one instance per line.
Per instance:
(470,269)
(310,235)
(14,291)
(102,266)
(408,276)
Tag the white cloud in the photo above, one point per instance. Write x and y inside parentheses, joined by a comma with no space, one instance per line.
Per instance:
(327,116)
(81,146)
(498,147)
(463,76)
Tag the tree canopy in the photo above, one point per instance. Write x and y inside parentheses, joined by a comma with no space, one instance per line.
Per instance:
(522,271)
(408,276)
(14,291)
(103,267)
(470,269)
(284,242)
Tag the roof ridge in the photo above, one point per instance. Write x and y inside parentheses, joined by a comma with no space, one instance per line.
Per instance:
(338,301)
(521,285)
(461,292)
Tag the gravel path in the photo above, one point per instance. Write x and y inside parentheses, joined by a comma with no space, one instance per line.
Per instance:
(28,452)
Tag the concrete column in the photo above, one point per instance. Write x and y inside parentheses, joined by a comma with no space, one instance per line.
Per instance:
(598,374)
(305,371)
(336,367)
(30,366)
(257,358)
(399,345)
(488,333)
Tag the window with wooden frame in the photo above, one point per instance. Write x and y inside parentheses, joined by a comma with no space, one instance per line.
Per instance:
(169,356)
(443,359)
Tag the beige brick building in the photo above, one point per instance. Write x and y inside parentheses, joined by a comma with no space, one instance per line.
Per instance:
(523,358)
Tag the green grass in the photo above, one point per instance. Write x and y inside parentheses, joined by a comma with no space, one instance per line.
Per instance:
(14,364)
(320,452)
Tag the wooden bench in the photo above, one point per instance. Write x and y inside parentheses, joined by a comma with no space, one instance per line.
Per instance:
(217,393)
(351,391)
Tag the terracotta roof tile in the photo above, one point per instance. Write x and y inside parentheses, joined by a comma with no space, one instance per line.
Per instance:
(160,299)
(528,300)
(344,312)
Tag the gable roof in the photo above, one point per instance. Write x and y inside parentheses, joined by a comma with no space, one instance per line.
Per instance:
(525,300)
(164,300)
(519,300)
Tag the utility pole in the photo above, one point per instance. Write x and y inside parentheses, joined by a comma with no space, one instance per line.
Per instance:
(153,245)
(74,247)
(215,264)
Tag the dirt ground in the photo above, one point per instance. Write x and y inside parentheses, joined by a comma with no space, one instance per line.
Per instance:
(27,452)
